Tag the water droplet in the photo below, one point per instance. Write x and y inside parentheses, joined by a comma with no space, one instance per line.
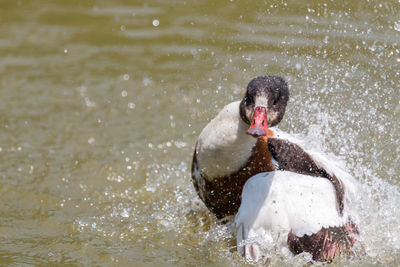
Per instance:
(397,25)
(91,140)
(125,213)
(151,189)
(131,105)
(124,93)
(156,22)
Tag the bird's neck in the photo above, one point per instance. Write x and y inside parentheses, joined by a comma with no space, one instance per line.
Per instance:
(224,147)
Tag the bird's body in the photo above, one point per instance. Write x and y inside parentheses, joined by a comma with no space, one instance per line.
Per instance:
(287,188)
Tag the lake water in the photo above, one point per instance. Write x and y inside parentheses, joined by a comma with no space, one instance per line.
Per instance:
(101,103)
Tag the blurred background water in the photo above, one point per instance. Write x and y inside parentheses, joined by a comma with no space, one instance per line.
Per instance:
(101,103)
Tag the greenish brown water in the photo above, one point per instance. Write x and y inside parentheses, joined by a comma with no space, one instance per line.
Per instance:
(101,103)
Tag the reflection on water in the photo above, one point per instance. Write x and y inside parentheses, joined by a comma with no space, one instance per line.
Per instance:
(101,104)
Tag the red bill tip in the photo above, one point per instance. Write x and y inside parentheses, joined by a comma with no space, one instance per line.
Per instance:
(259,124)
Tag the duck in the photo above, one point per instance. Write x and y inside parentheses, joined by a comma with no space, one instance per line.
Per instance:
(247,169)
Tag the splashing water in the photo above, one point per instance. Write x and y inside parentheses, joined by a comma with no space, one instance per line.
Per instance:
(101,105)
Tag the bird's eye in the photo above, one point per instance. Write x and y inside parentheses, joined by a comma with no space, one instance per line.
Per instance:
(275,101)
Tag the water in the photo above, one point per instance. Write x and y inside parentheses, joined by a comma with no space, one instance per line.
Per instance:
(102,102)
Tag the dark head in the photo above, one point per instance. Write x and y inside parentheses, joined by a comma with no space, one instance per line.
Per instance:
(264,103)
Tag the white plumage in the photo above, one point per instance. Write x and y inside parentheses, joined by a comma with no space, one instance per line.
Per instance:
(223,145)
(283,201)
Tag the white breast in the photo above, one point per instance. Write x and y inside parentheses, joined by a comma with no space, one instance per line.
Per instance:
(223,146)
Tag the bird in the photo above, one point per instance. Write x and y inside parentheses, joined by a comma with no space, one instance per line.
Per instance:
(245,168)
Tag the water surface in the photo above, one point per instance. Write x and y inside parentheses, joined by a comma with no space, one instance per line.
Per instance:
(101,103)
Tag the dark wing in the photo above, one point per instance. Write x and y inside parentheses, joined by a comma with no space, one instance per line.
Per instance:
(291,157)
